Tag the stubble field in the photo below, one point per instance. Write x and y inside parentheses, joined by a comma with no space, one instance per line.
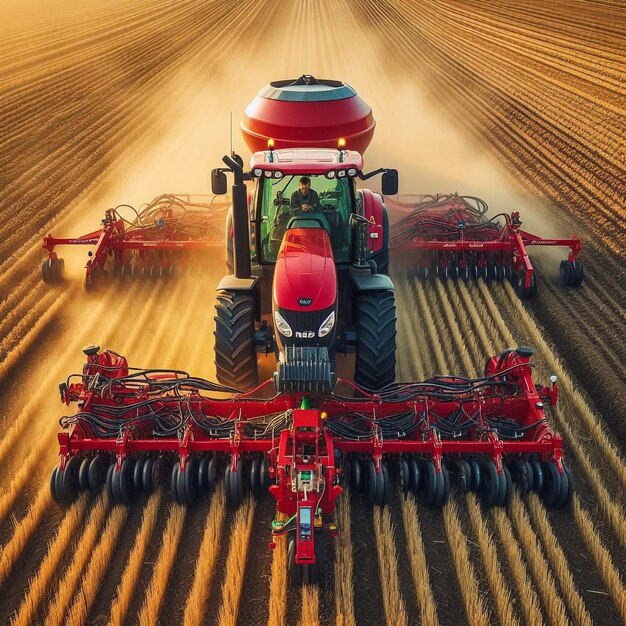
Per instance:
(521,103)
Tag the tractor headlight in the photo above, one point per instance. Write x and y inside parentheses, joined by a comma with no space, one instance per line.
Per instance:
(258,172)
(282,325)
(327,325)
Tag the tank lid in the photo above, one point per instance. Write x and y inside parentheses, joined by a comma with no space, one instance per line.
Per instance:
(307,88)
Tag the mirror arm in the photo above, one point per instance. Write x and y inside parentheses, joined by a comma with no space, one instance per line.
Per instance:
(380,170)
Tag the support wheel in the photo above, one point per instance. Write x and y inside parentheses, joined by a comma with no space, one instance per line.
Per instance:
(572,273)
(375,365)
(52,271)
(235,353)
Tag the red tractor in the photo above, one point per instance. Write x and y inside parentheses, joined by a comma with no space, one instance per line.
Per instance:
(308,283)
(310,271)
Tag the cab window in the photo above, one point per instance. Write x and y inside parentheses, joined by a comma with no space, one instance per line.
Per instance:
(333,214)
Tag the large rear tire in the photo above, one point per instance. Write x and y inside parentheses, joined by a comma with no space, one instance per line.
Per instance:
(375,365)
(235,354)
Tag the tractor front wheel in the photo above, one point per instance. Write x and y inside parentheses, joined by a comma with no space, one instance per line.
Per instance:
(235,354)
(375,365)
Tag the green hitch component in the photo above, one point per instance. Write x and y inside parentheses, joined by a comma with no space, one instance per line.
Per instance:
(306,403)
(279,527)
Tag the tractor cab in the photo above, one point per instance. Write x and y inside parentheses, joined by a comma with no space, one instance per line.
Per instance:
(330,174)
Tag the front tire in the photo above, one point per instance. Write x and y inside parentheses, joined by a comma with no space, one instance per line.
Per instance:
(375,365)
(235,354)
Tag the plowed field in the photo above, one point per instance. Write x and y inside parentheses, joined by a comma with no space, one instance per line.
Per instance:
(519,102)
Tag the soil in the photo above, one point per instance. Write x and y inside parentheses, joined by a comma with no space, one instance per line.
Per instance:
(104,104)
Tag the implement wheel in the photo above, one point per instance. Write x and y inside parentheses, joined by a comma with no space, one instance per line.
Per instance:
(375,365)
(235,354)
(52,271)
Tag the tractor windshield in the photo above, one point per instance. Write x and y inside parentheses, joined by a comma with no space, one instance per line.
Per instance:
(330,202)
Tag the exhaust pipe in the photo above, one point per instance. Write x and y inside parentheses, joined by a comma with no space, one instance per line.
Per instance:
(241,242)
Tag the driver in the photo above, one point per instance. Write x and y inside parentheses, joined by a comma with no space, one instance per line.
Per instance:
(304,198)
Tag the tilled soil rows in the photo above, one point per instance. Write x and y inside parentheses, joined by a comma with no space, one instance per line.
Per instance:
(89,100)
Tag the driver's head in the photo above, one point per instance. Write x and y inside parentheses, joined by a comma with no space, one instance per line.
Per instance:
(305,185)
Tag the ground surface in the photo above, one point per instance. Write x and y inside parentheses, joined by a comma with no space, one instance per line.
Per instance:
(521,103)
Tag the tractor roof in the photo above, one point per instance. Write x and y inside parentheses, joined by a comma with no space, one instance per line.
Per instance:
(306,160)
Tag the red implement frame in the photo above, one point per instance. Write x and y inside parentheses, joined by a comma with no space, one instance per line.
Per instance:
(167,231)
(450,226)
(122,414)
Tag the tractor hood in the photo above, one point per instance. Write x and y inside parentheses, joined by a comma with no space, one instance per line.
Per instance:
(305,278)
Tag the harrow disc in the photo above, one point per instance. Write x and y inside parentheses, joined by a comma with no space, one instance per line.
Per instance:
(53,485)
(490,484)
(212,474)
(404,478)
(435,486)
(152,474)
(233,486)
(551,490)
(97,473)
(522,475)
(203,473)
(66,482)
(464,476)
(414,475)
(122,487)
(428,489)
(475,475)
(255,474)
(537,476)
(567,488)
(506,488)
(355,475)
(138,473)
(266,479)
(83,474)
(187,483)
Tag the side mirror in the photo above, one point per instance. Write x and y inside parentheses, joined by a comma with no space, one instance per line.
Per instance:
(390,183)
(218,182)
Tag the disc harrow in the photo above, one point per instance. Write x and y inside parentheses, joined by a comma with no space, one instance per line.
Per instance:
(161,240)
(454,239)
(136,429)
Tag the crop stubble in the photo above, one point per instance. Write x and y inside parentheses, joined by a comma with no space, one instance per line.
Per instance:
(48,182)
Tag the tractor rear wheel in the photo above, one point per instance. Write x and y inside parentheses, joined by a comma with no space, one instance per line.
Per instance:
(375,365)
(235,354)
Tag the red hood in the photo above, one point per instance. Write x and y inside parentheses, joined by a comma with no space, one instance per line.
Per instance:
(305,269)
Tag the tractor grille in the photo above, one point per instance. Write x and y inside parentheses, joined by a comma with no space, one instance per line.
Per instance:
(304,369)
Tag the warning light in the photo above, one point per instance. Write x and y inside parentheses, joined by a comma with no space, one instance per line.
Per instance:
(341,143)
(270,144)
